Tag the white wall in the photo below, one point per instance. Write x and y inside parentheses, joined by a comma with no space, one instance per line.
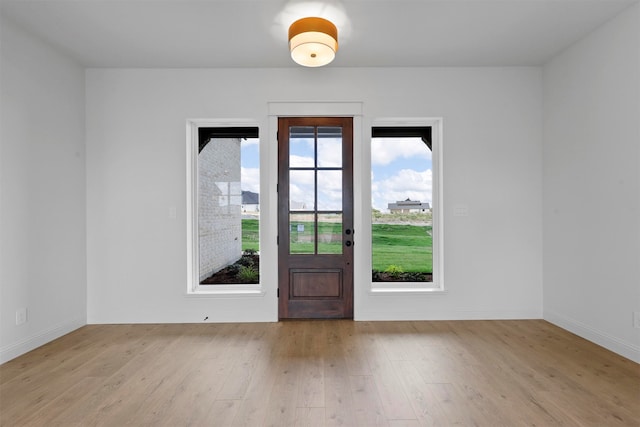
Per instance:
(137,266)
(42,197)
(592,186)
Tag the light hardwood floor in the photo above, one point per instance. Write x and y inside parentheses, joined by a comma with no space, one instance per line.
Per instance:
(321,373)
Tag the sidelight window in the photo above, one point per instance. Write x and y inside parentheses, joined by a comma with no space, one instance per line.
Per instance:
(226,212)
(405,207)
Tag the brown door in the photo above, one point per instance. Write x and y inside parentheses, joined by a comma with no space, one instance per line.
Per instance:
(315,217)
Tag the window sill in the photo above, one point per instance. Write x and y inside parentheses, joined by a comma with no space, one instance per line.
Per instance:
(406,288)
(232,291)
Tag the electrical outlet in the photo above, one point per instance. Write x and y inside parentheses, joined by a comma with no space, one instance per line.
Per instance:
(21,316)
(461,210)
(636,319)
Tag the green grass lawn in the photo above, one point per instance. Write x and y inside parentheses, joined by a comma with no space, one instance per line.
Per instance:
(406,246)
(409,247)
(250,234)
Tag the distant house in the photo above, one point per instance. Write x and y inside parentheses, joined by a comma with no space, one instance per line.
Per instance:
(250,201)
(408,206)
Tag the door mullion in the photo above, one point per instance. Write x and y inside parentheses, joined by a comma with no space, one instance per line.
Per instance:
(315,189)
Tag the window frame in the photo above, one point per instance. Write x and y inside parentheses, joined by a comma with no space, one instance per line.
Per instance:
(437,283)
(193,248)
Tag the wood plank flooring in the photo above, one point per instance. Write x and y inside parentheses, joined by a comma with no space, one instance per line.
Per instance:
(321,373)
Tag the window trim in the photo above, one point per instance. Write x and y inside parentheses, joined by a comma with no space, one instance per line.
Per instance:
(193,257)
(437,285)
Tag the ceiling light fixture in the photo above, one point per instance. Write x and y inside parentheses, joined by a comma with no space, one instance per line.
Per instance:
(313,41)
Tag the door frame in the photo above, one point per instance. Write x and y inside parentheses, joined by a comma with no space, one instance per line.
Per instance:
(335,269)
(317,109)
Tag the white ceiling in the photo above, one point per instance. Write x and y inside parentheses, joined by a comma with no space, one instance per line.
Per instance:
(253,33)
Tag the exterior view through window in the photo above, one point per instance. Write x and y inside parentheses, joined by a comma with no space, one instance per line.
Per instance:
(228,206)
(315,190)
(401,191)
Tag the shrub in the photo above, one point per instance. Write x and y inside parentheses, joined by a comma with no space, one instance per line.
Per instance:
(234,268)
(394,270)
(245,260)
(248,274)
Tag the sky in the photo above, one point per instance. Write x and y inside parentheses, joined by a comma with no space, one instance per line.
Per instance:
(401,168)
(250,164)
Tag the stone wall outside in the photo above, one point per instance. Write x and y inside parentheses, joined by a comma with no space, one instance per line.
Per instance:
(220,201)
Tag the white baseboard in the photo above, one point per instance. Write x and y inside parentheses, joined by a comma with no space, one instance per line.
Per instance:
(629,350)
(447,315)
(11,351)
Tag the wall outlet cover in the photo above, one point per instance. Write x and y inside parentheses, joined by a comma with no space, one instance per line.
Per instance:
(461,210)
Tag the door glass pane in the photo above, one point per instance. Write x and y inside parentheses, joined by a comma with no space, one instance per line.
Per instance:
(329,146)
(329,190)
(302,233)
(301,147)
(330,233)
(301,190)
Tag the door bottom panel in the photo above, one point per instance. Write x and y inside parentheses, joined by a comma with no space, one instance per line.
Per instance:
(314,283)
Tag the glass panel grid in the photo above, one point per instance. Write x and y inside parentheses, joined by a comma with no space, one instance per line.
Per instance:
(315,190)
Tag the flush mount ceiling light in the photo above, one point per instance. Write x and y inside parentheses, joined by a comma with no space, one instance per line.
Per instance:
(313,41)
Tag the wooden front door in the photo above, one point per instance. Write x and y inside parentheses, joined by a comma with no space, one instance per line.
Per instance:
(315,217)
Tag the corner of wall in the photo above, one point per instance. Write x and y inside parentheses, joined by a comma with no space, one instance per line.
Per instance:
(43,198)
(591,186)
